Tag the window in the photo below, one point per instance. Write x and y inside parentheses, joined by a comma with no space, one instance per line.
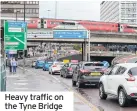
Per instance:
(34,2)
(121,70)
(37,2)
(30,2)
(27,10)
(134,4)
(133,71)
(37,11)
(21,11)
(30,10)
(21,2)
(134,9)
(114,70)
(27,2)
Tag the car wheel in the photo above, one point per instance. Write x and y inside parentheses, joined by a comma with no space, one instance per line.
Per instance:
(65,76)
(49,72)
(96,85)
(102,94)
(52,73)
(80,85)
(61,75)
(73,83)
(122,99)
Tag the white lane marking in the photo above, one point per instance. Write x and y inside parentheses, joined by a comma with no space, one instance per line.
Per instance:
(76,93)
(22,84)
(12,76)
(56,78)
(22,80)
(21,88)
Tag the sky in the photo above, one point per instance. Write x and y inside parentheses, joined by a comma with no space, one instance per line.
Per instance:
(75,10)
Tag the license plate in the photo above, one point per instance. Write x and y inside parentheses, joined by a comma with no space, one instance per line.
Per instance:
(95,74)
(57,70)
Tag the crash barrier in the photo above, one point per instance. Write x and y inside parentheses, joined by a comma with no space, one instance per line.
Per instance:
(2,75)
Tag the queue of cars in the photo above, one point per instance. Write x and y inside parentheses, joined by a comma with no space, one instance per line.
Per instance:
(119,80)
(82,73)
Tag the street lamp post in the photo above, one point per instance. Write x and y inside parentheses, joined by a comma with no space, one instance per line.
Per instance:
(16,14)
(89,45)
(50,42)
(48,12)
(55,9)
(24,50)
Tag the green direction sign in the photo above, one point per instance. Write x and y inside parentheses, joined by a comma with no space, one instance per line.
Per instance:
(15,35)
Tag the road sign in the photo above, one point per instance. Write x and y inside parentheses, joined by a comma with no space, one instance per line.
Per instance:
(55,51)
(15,35)
(70,34)
(41,33)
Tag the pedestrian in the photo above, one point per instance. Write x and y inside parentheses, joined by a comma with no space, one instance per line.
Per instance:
(14,65)
(9,64)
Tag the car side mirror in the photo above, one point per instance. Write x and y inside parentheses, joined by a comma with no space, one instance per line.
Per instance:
(107,72)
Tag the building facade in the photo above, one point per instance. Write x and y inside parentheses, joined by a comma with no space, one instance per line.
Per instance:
(119,11)
(15,9)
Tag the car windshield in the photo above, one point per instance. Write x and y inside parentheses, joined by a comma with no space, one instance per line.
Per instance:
(73,65)
(40,61)
(133,71)
(93,64)
(50,62)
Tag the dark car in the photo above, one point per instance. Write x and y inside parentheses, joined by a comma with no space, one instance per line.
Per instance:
(33,63)
(67,70)
(88,73)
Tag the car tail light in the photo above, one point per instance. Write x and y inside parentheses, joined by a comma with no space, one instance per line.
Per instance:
(54,66)
(84,71)
(70,69)
(132,94)
(131,78)
(104,70)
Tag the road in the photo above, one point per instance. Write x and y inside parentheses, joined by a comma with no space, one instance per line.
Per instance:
(38,80)
(91,94)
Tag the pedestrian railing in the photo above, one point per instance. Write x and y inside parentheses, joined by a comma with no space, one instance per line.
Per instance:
(2,74)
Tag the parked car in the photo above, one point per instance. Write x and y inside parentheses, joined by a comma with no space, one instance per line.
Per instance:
(87,73)
(67,70)
(46,65)
(39,64)
(33,63)
(55,67)
(120,81)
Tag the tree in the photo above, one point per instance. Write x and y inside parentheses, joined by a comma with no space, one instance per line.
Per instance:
(76,47)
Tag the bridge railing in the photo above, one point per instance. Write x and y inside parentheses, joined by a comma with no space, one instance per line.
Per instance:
(110,53)
(112,33)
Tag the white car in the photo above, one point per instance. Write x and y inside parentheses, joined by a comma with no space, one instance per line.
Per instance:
(33,63)
(55,67)
(120,81)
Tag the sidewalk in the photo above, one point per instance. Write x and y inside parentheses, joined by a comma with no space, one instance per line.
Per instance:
(37,82)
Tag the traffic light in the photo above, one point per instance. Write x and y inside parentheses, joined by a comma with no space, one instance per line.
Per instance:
(42,23)
(2,33)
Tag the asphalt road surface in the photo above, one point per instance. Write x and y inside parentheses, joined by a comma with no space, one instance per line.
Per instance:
(90,93)
(38,80)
